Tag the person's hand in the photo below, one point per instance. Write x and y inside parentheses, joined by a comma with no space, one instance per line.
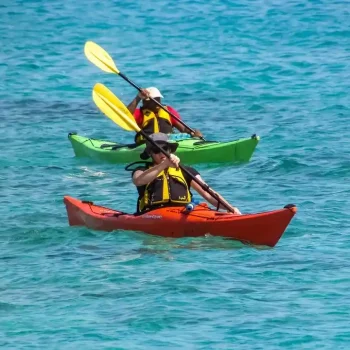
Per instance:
(173,161)
(143,94)
(196,133)
(236,211)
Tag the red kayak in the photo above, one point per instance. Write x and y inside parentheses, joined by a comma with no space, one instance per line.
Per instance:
(261,229)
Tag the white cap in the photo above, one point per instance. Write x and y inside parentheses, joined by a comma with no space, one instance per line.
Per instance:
(154,92)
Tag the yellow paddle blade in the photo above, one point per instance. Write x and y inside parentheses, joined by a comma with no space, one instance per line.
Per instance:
(113,108)
(120,105)
(100,57)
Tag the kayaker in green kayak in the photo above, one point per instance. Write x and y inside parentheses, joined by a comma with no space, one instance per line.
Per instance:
(162,183)
(151,118)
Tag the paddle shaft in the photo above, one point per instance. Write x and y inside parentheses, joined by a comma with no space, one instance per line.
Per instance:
(159,104)
(200,183)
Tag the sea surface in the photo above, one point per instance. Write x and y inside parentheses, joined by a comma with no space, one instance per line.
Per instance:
(232,68)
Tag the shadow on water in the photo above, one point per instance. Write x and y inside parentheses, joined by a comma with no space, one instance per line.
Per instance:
(155,245)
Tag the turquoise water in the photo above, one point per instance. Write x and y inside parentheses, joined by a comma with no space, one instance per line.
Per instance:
(232,68)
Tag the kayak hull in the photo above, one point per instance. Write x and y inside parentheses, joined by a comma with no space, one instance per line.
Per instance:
(190,151)
(264,228)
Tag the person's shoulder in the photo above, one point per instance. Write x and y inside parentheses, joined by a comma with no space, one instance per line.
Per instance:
(137,112)
(172,110)
(175,113)
(138,116)
(142,167)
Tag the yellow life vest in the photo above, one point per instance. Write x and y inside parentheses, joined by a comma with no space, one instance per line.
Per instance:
(153,123)
(170,187)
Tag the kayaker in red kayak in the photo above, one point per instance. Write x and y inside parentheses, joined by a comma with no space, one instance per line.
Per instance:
(151,118)
(162,182)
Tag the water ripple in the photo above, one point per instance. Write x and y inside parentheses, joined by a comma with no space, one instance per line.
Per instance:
(232,69)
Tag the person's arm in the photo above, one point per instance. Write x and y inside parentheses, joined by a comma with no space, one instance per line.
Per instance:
(211,199)
(133,104)
(140,96)
(141,178)
(181,127)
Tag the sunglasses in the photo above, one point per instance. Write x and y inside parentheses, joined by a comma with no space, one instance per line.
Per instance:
(157,150)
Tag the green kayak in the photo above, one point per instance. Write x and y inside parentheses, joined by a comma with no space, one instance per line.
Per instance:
(190,150)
